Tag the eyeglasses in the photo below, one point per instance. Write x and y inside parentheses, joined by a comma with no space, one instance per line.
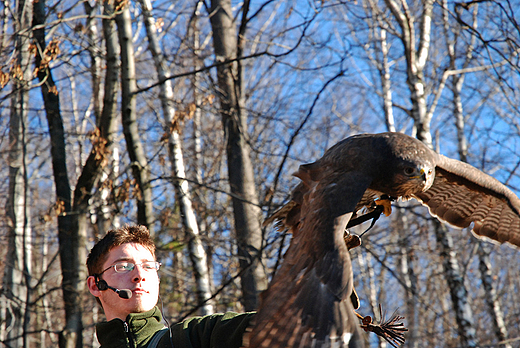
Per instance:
(125,267)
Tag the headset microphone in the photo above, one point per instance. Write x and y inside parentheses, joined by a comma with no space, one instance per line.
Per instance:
(123,293)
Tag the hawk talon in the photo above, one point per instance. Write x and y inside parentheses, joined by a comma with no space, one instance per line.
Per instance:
(386,203)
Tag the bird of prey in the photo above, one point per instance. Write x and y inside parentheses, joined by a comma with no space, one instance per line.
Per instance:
(308,302)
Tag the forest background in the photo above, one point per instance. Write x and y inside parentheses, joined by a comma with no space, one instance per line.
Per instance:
(189,117)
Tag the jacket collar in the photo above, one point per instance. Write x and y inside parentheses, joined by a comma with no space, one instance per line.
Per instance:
(135,331)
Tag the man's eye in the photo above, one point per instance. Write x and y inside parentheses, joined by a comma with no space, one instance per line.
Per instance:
(124,266)
(149,265)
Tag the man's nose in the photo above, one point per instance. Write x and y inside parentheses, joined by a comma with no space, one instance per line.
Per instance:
(139,273)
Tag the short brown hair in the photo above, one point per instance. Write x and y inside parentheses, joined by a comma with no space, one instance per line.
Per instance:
(114,238)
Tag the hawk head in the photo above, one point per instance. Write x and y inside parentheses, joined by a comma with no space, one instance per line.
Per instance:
(409,179)
(406,166)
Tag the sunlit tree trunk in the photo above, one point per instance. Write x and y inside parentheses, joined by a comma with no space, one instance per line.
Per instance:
(458,290)
(95,57)
(134,145)
(107,120)
(404,242)
(45,303)
(198,160)
(368,275)
(196,250)
(416,46)
(491,297)
(409,277)
(246,211)
(17,271)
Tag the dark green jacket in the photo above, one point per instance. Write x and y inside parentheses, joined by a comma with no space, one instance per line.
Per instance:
(212,331)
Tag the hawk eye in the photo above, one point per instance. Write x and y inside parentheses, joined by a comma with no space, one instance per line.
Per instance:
(409,171)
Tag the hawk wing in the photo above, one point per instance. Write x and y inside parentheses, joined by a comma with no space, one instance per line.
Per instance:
(308,301)
(461,194)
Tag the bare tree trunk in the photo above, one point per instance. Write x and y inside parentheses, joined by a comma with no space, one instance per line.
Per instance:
(197,133)
(197,253)
(95,58)
(102,137)
(416,54)
(134,146)
(107,121)
(72,242)
(491,298)
(247,213)
(405,260)
(46,320)
(486,275)
(458,291)
(100,214)
(386,83)
(368,275)
(17,271)
(409,278)
(416,58)
(72,226)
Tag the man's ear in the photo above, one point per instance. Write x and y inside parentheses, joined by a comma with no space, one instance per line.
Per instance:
(92,286)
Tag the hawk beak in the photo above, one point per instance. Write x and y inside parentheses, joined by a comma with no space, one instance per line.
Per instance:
(422,175)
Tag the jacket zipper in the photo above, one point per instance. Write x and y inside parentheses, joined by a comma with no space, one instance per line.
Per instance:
(128,334)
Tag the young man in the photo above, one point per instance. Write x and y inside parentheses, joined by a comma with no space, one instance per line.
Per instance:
(123,277)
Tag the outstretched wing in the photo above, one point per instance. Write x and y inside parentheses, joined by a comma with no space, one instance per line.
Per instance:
(308,302)
(461,194)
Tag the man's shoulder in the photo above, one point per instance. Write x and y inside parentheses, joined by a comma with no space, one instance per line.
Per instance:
(215,330)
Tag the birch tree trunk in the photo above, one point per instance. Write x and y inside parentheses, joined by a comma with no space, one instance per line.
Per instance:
(491,298)
(492,302)
(367,273)
(134,145)
(17,271)
(458,291)
(197,253)
(95,58)
(494,308)
(246,211)
(405,245)
(198,160)
(416,54)
(409,277)
(99,214)
(107,120)
(407,272)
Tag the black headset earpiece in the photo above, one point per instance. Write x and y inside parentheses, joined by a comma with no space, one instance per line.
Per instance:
(101,283)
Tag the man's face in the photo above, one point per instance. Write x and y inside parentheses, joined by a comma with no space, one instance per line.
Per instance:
(143,283)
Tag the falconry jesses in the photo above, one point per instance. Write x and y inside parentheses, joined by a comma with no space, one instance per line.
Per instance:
(307,303)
